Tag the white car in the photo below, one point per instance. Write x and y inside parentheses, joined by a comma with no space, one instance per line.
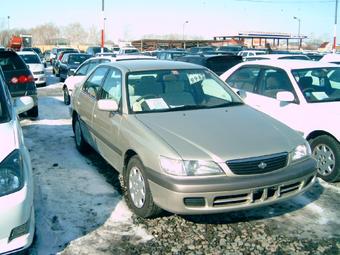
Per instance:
(248,53)
(304,95)
(331,58)
(17,221)
(277,56)
(72,81)
(36,66)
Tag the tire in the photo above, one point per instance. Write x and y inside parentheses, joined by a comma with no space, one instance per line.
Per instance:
(326,150)
(33,113)
(137,191)
(67,98)
(81,144)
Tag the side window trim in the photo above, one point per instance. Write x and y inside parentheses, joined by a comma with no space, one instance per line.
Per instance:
(100,85)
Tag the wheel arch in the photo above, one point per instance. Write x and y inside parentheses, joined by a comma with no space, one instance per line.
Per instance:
(127,156)
(317,133)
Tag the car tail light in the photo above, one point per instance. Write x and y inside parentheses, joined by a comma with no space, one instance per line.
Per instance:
(60,56)
(22,79)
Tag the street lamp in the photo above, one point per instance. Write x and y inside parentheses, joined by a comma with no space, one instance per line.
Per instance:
(8,17)
(186,22)
(299,25)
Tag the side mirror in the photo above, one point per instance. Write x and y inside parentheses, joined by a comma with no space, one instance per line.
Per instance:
(70,72)
(285,96)
(23,104)
(242,94)
(107,105)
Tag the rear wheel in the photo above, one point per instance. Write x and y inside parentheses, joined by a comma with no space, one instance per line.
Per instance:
(137,191)
(34,112)
(67,98)
(81,144)
(326,150)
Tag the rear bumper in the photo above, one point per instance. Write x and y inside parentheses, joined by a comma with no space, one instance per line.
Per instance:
(223,194)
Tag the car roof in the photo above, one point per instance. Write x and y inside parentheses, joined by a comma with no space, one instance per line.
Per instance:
(149,65)
(330,57)
(290,64)
(27,53)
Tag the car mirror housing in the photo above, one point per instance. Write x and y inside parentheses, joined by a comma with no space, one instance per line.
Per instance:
(285,96)
(108,105)
(71,72)
(23,104)
(242,94)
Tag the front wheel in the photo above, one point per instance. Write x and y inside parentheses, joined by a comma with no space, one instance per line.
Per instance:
(326,150)
(137,191)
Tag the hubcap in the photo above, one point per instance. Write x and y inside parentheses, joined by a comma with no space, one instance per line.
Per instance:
(77,133)
(137,187)
(325,159)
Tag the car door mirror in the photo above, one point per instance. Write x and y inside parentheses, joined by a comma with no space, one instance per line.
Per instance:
(242,94)
(71,72)
(108,105)
(23,104)
(285,96)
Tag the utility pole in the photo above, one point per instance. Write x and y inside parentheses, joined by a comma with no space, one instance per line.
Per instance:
(103,27)
(8,17)
(183,34)
(335,23)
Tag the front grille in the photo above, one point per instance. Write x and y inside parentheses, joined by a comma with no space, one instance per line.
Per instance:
(258,165)
(261,195)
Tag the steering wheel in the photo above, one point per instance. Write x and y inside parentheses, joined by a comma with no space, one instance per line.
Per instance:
(147,96)
(308,90)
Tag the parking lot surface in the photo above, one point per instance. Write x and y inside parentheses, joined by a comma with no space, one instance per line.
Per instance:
(80,209)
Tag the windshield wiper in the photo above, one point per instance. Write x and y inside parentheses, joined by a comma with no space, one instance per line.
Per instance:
(226,104)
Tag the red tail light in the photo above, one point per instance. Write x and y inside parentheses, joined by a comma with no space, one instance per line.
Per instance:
(22,79)
(60,56)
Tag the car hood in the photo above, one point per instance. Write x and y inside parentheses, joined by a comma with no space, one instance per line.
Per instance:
(8,138)
(36,67)
(222,134)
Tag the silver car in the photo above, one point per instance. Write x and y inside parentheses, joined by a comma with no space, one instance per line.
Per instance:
(16,181)
(184,141)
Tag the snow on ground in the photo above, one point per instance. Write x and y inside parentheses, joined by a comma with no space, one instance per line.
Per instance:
(72,199)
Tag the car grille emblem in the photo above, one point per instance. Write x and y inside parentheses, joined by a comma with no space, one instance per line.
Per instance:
(262,165)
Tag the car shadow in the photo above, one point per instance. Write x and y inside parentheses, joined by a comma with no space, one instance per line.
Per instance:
(263,212)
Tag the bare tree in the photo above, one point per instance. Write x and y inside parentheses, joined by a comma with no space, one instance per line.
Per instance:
(43,34)
(75,33)
(93,36)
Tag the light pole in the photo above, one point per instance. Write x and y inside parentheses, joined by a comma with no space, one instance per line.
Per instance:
(8,17)
(299,25)
(103,28)
(335,23)
(183,35)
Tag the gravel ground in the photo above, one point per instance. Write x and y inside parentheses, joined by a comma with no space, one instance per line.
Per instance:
(307,224)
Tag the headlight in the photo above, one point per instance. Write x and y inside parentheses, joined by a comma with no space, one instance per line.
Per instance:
(190,167)
(301,151)
(11,173)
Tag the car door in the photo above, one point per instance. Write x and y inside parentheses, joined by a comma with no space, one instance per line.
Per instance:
(86,101)
(106,125)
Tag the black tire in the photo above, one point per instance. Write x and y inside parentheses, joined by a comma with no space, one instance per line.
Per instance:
(332,174)
(81,144)
(67,98)
(33,113)
(148,209)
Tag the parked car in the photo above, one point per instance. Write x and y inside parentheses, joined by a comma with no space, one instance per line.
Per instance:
(277,56)
(248,53)
(170,54)
(19,79)
(216,63)
(181,139)
(38,51)
(234,49)
(76,77)
(55,51)
(47,56)
(331,58)
(56,63)
(201,50)
(93,50)
(35,65)
(70,62)
(128,50)
(305,95)
(17,222)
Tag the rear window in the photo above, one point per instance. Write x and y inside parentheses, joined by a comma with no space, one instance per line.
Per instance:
(10,61)
(77,59)
(221,64)
(31,59)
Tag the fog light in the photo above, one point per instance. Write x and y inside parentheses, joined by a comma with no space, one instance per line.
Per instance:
(19,231)
(194,201)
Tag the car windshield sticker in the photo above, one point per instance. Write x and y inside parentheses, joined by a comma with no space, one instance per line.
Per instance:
(320,95)
(156,103)
(195,77)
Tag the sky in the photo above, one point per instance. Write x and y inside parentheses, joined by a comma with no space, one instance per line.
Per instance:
(133,19)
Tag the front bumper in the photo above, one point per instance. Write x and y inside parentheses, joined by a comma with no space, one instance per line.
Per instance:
(16,221)
(204,195)
(39,79)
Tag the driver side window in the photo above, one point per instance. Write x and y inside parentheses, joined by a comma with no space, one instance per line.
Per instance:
(93,83)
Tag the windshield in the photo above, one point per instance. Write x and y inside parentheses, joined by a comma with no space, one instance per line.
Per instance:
(319,84)
(174,90)
(77,59)
(31,59)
